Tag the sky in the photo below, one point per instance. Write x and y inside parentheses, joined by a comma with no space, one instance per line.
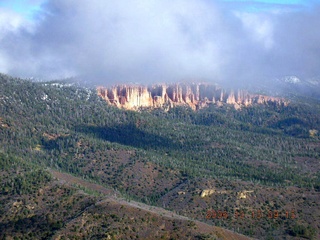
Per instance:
(150,41)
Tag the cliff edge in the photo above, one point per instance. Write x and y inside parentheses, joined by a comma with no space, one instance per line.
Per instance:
(195,95)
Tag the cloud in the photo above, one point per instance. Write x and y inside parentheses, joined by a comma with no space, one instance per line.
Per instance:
(10,23)
(156,41)
(258,27)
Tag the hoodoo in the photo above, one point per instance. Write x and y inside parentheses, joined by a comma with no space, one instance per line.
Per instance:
(195,95)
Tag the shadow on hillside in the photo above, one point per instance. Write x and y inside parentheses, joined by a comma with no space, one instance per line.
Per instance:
(129,135)
(34,225)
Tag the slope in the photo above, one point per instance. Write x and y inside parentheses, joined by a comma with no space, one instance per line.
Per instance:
(168,158)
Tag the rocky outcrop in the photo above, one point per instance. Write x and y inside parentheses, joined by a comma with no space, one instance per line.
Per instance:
(193,95)
(210,191)
(3,124)
(207,192)
(244,194)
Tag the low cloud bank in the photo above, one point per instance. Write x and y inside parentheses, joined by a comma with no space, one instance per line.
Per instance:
(109,42)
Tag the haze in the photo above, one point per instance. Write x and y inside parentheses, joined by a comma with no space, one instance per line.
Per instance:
(109,42)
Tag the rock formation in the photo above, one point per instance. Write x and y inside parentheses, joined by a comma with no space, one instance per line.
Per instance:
(210,191)
(207,192)
(193,95)
(244,194)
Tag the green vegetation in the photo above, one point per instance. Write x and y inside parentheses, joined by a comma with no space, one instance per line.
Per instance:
(302,231)
(145,155)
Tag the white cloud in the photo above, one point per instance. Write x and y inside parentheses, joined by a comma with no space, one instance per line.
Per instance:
(9,22)
(259,27)
(109,41)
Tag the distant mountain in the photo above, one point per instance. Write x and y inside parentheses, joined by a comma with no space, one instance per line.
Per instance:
(291,87)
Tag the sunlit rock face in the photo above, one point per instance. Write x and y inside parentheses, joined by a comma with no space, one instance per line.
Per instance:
(195,95)
(207,192)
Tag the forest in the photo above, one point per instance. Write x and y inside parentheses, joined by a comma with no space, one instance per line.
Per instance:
(150,154)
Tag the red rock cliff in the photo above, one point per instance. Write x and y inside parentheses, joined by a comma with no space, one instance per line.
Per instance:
(194,95)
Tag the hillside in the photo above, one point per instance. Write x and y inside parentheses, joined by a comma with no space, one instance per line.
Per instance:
(161,158)
(62,206)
